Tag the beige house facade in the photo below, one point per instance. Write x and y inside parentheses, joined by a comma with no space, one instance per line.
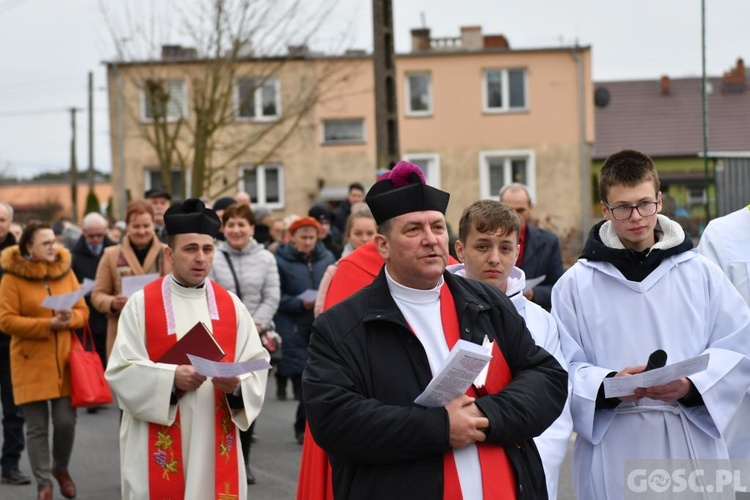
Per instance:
(473,113)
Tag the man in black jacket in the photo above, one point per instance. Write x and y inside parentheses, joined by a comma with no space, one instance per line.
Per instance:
(539,254)
(13,420)
(86,254)
(374,353)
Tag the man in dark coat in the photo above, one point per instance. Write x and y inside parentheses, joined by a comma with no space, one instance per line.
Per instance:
(86,254)
(339,215)
(13,420)
(540,250)
(371,355)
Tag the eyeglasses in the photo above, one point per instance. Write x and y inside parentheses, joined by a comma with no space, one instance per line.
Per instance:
(95,235)
(624,212)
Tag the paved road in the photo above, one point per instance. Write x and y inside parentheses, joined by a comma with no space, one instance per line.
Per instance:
(275,456)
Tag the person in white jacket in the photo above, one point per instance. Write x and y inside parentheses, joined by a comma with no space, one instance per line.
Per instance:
(640,286)
(488,248)
(726,241)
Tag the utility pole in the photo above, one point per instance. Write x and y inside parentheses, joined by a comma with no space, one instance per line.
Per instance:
(91,131)
(73,166)
(386,109)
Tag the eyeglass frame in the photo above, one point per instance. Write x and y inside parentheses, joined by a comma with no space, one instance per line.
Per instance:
(634,207)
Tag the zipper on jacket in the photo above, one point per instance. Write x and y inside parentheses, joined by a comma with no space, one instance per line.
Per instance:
(57,343)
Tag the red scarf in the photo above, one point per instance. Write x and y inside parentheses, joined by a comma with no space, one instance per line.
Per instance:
(166,475)
(498,478)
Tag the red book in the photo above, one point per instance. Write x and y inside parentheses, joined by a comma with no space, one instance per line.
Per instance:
(198,342)
(498,374)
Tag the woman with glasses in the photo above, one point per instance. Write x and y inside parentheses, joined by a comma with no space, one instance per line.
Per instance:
(41,338)
(140,252)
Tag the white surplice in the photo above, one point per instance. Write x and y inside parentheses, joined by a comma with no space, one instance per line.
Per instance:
(687,307)
(552,443)
(726,241)
(143,389)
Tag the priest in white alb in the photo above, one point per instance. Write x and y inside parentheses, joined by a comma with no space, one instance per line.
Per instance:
(179,432)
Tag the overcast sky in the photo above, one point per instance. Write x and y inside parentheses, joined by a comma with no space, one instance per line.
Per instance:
(47,47)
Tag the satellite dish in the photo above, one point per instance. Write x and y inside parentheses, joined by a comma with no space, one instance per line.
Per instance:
(601,97)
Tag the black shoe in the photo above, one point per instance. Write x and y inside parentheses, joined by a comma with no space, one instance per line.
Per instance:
(92,410)
(250,477)
(300,437)
(15,477)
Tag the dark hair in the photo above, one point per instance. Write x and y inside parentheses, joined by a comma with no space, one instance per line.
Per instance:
(27,237)
(137,207)
(628,168)
(488,216)
(238,210)
(356,185)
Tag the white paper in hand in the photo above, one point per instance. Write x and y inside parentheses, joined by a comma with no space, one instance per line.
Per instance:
(465,361)
(209,368)
(617,387)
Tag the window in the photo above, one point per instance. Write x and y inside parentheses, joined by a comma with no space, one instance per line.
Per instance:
(163,98)
(418,94)
(430,165)
(264,184)
(258,99)
(696,196)
(504,90)
(153,180)
(498,168)
(343,131)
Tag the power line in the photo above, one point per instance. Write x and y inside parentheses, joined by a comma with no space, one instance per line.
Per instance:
(29,112)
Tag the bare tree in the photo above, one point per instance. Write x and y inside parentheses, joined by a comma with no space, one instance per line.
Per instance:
(239,51)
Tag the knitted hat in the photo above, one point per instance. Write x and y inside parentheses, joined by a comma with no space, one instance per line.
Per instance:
(320,213)
(223,203)
(157,193)
(303,222)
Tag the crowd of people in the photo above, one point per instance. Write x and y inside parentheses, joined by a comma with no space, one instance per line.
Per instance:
(361,305)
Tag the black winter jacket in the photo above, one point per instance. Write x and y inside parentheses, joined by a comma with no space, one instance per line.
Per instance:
(366,368)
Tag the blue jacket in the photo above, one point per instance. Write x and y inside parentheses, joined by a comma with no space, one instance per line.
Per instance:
(293,323)
(541,256)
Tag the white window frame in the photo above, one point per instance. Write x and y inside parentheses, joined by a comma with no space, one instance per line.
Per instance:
(323,140)
(181,105)
(260,197)
(407,86)
(147,180)
(257,100)
(507,155)
(505,108)
(433,173)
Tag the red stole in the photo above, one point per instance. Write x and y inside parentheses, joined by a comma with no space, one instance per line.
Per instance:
(498,478)
(166,474)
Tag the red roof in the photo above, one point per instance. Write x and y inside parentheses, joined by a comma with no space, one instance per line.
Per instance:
(640,116)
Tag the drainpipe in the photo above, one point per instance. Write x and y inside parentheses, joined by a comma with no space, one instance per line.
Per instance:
(585,166)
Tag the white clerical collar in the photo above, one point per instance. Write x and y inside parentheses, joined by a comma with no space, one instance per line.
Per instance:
(403,293)
(183,285)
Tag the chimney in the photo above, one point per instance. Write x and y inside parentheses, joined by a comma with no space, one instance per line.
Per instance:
(735,79)
(420,39)
(496,42)
(665,84)
(177,53)
(471,38)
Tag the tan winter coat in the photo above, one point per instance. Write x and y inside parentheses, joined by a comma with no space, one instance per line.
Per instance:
(38,355)
(118,261)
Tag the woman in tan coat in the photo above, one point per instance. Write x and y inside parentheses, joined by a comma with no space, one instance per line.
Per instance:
(140,252)
(34,269)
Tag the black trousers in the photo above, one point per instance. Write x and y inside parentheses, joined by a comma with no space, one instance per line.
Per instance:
(13,438)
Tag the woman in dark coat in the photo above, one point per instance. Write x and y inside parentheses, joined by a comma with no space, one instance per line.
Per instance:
(302,263)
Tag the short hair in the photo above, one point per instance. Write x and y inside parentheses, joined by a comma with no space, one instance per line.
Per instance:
(240,210)
(93,218)
(488,216)
(628,168)
(9,208)
(28,235)
(515,186)
(356,185)
(138,207)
